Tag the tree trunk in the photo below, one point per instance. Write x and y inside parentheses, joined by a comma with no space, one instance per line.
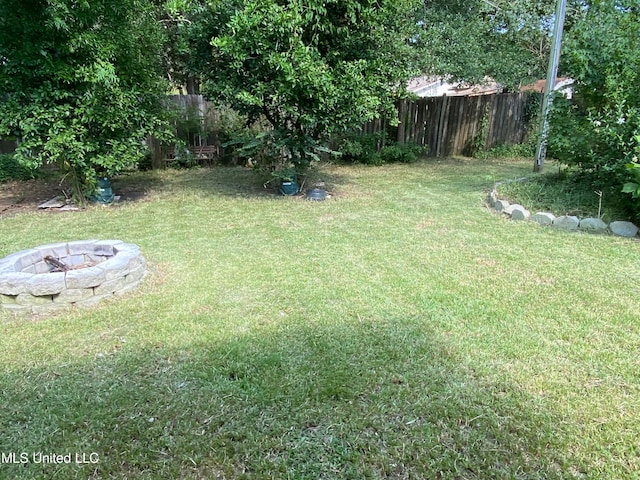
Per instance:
(193,86)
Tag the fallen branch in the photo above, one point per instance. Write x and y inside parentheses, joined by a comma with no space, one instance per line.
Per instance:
(56,264)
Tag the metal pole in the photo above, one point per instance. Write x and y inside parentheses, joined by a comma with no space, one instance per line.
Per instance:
(552,72)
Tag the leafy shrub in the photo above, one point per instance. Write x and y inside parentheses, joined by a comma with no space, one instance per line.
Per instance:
(278,149)
(376,149)
(567,192)
(361,148)
(183,157)
(11,169)
(400,153)
(527,149)
(599,132)
(633,187)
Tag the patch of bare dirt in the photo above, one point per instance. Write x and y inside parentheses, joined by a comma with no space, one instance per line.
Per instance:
(25,196)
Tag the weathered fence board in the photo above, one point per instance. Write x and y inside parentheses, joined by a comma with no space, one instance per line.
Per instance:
(452,125)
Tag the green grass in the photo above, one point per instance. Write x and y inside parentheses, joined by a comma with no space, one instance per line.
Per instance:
(398,330)
(562,192)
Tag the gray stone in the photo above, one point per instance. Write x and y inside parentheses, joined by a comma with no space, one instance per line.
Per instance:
(129,288)
(81,246)
(110,286)
(69,208)
(593,225)
(111,243)
(104,250)
(8,263)
(116,267)
(136,262)
(73,260)
(56,202)
(623,229)
(29,258)
(85,277)
(16,309)
(136,274)
(56,250)
(71,295)
(46,284)
(41,267)
(520,213)
(14,283)
(501,205)
(567,222)
(120,270)
(492,198)
(508,209)
(28,299)
(544,218)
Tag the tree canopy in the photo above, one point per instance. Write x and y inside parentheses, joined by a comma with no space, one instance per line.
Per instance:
(508,41)
(81,82)
(311,67)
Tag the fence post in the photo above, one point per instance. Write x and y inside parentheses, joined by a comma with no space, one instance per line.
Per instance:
(402,116)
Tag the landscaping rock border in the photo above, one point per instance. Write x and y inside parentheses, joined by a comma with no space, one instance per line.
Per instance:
(27,284)
(565,222)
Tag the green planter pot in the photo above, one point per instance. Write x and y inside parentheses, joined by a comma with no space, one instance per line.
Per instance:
(104,193)
(289,187)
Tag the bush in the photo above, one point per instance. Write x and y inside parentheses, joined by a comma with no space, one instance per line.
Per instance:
(11,169)
(375,149)
(519,150)
(599,132)
(401,153)
(361,148)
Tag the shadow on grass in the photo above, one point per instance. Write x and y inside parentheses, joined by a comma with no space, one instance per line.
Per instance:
(218,180)
(136,186)
(238,181)
(357,400)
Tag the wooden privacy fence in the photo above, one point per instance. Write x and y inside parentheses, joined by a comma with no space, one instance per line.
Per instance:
(198,127)
(459,125)
(446,125)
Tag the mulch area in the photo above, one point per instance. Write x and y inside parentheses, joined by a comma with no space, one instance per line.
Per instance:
(25,196)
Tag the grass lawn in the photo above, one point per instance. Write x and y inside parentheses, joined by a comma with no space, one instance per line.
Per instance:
(398,330)
(566,192)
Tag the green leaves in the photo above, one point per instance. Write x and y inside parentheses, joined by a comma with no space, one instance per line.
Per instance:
(600,132)
(311,68)
(508,41)
(83,85)
(633,187)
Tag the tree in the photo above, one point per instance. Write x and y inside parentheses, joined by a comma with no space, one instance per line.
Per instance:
(311,68)
(509,41)
(81,83)
(599,132)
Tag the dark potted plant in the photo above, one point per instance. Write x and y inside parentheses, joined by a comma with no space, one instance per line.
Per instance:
(288,181)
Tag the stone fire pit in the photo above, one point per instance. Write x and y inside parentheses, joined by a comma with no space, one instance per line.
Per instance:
(90,271)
